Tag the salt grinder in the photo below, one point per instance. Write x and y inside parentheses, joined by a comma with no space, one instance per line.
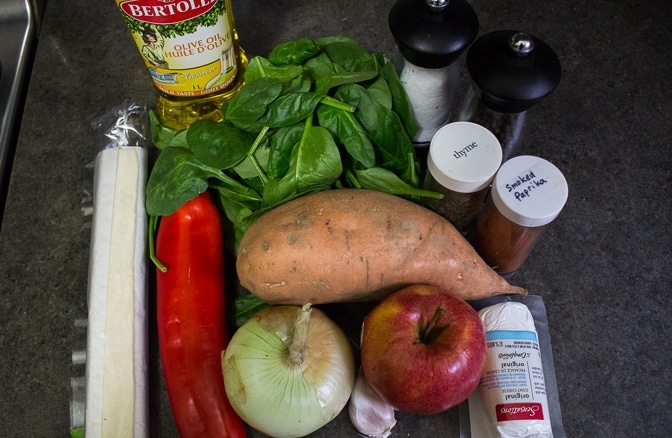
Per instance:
(511,71)
(430,36)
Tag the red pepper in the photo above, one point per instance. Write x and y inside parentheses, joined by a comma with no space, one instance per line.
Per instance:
(192,320)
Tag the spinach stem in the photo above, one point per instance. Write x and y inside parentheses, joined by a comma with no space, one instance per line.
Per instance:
(253,159)
(330,101)
(352,179)
(234,186)
(257,141)
(418,192)
(414,177)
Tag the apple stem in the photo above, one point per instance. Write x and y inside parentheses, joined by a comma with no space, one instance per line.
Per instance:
(432,322)
(297,347)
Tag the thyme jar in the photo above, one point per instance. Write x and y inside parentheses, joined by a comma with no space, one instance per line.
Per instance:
(431,36)
(511,72)
(527,194)
(462,160)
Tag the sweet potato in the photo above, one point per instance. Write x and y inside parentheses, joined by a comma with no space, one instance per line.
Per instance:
(358,245)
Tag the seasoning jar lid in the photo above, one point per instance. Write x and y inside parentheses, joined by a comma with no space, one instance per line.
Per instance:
(432,33)
(512,70)
(529,191)
(464,157)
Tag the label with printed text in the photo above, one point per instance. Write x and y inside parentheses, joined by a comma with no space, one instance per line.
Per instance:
(513,377)
(186,45)
(519,411)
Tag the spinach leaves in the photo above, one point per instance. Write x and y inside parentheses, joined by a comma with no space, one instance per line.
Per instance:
(316,114)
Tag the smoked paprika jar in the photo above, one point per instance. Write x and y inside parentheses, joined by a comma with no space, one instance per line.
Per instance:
(527,194)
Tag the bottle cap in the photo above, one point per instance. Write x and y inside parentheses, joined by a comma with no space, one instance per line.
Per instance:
(529,191)
(464,157)
(512,71)
(430,33)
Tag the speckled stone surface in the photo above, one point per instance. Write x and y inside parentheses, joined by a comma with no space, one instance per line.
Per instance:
(604,269)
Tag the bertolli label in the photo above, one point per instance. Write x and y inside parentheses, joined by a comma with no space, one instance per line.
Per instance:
(165,11)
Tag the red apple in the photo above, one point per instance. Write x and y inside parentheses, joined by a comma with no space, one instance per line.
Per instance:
(423,349)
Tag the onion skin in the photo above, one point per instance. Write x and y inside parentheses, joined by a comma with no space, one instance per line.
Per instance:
(277,395)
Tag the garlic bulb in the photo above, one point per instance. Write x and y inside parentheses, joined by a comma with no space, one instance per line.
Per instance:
(369,413)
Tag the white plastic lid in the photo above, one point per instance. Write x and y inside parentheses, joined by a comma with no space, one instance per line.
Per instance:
(464,157)
(529,191)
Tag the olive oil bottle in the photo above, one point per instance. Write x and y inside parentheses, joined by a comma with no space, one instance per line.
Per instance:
(191,51)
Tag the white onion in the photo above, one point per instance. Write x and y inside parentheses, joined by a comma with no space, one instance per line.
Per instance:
(288,371)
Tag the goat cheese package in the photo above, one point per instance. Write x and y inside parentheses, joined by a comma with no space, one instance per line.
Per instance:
(517,396)
(512,389)
(116,370)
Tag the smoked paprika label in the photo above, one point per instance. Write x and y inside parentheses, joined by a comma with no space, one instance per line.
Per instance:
(187,45)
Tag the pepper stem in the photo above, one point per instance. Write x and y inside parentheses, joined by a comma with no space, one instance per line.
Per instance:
(297,348)
(151,230)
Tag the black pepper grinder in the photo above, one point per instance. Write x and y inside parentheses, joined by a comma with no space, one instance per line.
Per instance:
(430,36)
(511,71)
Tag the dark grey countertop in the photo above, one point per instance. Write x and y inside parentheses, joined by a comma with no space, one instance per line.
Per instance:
(604,269)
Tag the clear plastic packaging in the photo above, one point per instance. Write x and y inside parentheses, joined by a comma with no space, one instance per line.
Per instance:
(116,384)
